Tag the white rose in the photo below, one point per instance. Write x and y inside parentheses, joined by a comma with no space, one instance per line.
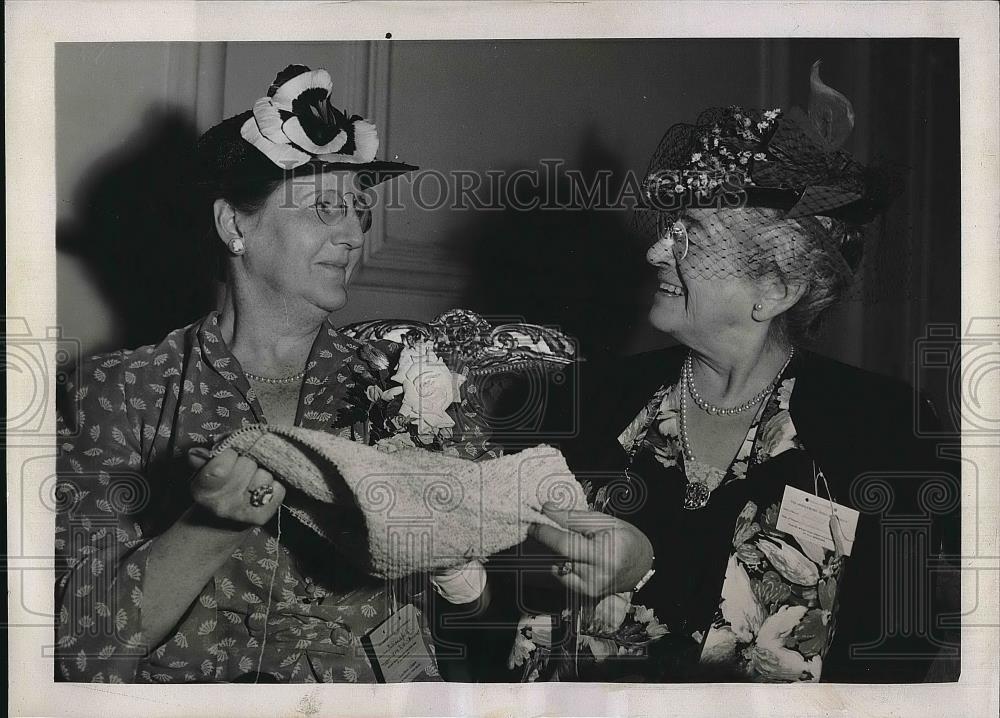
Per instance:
(429,387)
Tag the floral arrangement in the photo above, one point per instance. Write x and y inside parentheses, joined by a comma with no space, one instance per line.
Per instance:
(410,401)
(296,123)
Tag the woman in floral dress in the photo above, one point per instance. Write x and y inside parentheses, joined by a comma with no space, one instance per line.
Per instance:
(767,477)
(179,567)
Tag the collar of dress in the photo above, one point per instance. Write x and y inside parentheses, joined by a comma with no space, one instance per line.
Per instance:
(328,371)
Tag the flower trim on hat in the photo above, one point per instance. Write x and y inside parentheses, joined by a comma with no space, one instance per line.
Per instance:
(296,123)
(723,155)
(791,159)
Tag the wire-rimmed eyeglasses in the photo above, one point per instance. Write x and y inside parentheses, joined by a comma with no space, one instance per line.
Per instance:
(670,227)
(332,208)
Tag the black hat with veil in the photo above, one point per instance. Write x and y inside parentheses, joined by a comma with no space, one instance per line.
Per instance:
(781,167)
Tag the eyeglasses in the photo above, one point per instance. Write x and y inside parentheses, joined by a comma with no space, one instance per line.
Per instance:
(670,228)
(333,208)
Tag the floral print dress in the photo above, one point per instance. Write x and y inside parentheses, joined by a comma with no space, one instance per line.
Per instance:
(733,598)
(284,607)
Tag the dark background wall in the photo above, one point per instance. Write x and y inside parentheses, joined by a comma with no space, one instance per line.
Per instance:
(131,266)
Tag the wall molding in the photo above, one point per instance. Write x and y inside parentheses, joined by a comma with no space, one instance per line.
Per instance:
(398,264)
(418,266)
(196,80)
(378,56)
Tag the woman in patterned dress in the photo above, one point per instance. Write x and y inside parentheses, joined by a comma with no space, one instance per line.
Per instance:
(722,442)
(179,567)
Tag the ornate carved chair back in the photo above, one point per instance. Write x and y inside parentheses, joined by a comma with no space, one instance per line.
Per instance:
(514,371)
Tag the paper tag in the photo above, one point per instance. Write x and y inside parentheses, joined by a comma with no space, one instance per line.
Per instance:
(808,517)
(397,650)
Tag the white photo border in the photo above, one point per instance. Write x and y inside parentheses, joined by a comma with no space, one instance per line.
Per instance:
(32,29)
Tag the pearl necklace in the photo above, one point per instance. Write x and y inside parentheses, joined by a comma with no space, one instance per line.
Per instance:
(685,442)
(269,380)
(688,376)
(703,479)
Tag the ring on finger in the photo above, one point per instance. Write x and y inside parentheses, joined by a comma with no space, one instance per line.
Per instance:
(565,568)
(261,495)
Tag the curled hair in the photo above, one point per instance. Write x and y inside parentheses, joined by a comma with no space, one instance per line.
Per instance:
(815,252)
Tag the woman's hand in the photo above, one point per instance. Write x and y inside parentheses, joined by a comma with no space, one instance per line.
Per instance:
(224,485)
(186,556)
(604,555)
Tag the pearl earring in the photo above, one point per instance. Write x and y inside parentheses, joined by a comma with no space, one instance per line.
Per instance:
(236,246)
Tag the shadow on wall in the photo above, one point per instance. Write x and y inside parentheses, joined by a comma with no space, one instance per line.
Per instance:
(135,229)
(137,233)
(577,268)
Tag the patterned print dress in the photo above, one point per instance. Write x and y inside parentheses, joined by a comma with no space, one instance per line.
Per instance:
(284,607)
(733,598)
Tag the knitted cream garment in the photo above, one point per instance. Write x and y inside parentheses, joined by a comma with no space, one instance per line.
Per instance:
(423,511)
